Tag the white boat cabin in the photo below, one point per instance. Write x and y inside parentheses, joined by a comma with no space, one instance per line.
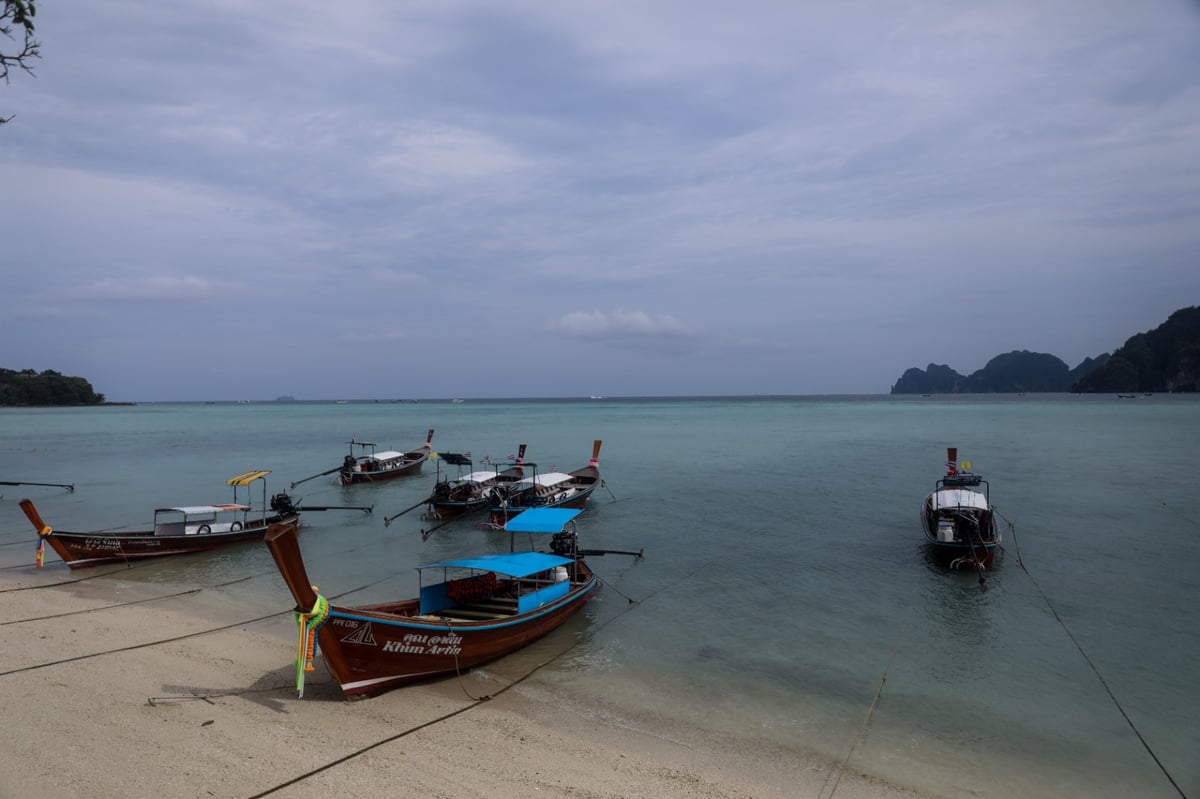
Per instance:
(200,519)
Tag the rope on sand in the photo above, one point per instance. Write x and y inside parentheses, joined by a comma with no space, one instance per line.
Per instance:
(1095,670)
(476,703)
(836,773)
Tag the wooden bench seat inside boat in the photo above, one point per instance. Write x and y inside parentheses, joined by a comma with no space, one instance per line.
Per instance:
(492,608)
(470,613)
(496,605)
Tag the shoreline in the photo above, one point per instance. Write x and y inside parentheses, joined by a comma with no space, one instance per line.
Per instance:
(152,699)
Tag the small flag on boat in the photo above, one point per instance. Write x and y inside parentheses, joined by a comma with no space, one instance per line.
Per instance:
(965,464)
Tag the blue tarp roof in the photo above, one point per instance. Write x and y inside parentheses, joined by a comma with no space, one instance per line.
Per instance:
(541,520)
(513,564)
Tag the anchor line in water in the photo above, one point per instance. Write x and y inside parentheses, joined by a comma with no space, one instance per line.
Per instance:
(1170,508)
(1095,670)
(840,768)
(481,700)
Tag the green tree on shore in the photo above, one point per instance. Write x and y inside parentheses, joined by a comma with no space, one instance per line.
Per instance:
(16,24)
(27,387)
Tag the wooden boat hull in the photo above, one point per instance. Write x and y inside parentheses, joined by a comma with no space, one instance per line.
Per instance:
(960,537)
(964,556)
(81,550)
(371,649)
(175,531)
(445,509)
(409,467)
(572,493)
(371,653)
(371,469)
(499,516)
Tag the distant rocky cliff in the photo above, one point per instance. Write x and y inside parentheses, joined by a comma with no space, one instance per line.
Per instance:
(1012,372)
(1164,359)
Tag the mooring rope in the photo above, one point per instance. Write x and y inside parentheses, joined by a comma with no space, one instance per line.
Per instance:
(585,637)
(102,607)
(1095,670)
(840,769)
(176,638)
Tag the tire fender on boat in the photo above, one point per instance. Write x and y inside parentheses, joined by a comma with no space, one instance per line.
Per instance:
(203,529)
(233,528)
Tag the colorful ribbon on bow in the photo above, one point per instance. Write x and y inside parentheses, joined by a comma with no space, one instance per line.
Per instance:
(306,648)
(41,547)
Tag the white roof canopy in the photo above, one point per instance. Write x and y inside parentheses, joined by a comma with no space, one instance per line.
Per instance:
(959,498)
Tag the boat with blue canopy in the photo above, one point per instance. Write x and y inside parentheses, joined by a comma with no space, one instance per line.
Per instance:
(470,610)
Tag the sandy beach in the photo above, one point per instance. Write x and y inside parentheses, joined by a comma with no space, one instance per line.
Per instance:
(108,695)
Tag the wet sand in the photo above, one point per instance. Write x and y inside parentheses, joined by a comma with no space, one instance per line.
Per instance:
(185,696)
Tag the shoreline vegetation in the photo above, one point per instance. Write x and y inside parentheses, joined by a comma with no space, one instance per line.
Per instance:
(185,694)
(28,388)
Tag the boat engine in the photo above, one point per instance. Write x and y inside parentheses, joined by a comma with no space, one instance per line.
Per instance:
(564,544)
(281,503)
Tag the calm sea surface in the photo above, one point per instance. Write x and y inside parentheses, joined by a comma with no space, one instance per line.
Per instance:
(784,575)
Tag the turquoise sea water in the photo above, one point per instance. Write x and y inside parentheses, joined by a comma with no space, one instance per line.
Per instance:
(784,575)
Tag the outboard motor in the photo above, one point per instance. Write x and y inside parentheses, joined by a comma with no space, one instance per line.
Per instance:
(564,544)
(281,503)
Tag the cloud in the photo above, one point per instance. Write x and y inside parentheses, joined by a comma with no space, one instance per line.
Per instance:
(397,277)
(795,183)
(156,289)
(620,325)
(373,336)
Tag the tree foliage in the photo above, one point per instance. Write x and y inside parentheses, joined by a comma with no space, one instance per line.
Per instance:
(1166,358)
(1011,372)
(16,25)
(27,387)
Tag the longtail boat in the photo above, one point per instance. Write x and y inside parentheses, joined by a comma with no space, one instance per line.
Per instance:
(469,610)
(175,530)
(551,489)
(958,518)
(452,497)
(369,466)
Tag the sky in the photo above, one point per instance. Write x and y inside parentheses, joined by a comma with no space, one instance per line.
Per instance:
(229,200)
